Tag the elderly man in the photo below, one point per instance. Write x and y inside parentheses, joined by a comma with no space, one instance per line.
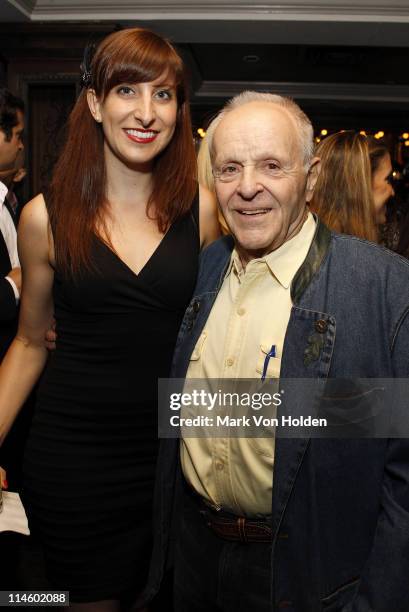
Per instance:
(296,524)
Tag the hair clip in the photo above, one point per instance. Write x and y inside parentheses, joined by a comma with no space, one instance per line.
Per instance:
(86,78)
(85,67)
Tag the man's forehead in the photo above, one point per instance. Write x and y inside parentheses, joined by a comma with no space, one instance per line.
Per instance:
(256,129)
(253,148)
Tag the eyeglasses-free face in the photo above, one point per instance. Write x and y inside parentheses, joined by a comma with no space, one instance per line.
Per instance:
(138,120)
(230,172)
(261,180)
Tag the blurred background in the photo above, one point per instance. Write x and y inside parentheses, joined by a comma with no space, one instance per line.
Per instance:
(344,61)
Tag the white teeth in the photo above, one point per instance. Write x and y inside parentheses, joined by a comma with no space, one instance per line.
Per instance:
(139,134)
(254,212)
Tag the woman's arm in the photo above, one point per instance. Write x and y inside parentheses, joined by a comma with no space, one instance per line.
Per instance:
(27,354)
(208,221)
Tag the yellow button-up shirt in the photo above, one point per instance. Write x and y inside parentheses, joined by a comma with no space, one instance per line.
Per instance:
(249,316)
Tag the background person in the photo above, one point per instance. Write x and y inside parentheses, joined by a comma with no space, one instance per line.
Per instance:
(11,144)
(205,176)
(403,244)
(12,179)
(112,249)
(354,185)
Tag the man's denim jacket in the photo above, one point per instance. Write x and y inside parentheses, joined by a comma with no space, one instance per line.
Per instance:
(340,507)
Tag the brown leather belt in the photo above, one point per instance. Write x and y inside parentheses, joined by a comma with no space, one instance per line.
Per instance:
(237,528)
(231,527)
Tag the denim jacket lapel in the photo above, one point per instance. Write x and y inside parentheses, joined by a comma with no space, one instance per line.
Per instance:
(307,353)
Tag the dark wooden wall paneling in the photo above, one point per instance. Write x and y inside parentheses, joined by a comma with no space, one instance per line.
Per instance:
(40,63)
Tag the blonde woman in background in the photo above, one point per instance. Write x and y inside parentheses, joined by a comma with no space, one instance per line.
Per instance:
(205,175)
(354,185)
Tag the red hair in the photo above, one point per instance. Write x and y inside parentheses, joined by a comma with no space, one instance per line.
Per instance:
(76,200)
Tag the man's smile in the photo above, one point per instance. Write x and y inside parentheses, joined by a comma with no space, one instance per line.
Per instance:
(254,211)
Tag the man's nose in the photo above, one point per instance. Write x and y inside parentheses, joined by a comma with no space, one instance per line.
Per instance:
(249,185)
(145,110)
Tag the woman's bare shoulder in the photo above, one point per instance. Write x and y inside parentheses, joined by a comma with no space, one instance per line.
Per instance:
(35,211)
(33,229)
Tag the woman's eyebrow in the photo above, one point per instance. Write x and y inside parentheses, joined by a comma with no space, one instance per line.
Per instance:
(166,84)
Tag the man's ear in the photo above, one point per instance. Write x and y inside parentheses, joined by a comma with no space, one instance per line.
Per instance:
(94,105)
(313,172)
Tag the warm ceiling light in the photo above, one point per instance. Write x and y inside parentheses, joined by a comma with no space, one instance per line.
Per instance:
(363,133)
(406,143)
(324,132)
(405,135)
(201,132)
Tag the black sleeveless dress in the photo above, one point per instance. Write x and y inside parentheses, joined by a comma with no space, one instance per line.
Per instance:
(91,454)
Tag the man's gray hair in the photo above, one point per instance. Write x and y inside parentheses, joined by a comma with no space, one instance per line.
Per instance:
(306,131)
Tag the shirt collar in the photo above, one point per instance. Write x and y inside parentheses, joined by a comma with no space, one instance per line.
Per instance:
(3,193)
(284,262)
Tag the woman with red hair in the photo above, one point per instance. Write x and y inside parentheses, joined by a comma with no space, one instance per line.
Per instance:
(112,250)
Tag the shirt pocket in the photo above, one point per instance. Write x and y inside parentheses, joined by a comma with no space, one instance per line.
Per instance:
(265,445)
(195,365)
(274,363)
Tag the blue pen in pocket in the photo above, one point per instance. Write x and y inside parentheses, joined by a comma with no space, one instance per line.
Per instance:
(271,353)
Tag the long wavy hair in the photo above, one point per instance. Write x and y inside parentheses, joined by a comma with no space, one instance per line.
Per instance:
(76,200)
(205,177)
(343,196)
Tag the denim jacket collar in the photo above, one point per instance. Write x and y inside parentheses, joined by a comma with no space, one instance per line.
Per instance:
(315,256)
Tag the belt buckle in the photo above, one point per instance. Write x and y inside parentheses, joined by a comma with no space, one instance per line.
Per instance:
(241,524)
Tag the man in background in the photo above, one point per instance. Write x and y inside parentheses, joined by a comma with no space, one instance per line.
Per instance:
(11,131)
(11,146)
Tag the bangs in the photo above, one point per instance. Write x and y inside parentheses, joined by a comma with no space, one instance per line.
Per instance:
(135,56)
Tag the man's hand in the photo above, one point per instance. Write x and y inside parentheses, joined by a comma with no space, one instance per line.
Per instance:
(50,338)
(15,275)
(19,175)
